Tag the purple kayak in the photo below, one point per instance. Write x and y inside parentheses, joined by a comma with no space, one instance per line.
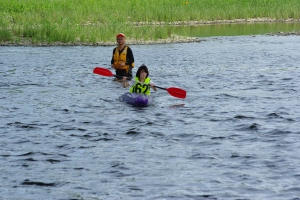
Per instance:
(136,99)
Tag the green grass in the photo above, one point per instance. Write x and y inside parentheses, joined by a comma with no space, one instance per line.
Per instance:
(91,21)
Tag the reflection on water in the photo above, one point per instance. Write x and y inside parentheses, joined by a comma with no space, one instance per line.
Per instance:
(235,29)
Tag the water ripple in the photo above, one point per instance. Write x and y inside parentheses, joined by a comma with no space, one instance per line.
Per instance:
(65,134)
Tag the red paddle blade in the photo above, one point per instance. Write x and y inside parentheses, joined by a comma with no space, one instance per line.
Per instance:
(177,92)
(103,71)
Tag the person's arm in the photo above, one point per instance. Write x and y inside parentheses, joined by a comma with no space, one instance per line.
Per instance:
(125,82)
(153,86)
(112,59)
(129,57)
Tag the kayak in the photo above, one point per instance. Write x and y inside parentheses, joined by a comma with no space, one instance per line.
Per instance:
(136,99)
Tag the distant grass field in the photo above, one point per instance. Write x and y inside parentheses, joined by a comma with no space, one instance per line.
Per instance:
(92,21)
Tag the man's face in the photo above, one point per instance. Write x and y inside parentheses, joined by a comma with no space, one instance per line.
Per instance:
(120,40)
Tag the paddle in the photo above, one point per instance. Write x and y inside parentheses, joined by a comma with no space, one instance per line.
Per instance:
(175,92)
(105,72)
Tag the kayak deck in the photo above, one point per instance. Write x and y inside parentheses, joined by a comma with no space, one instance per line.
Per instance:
(136,99)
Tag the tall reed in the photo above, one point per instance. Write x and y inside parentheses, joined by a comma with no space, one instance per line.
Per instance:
(91,21)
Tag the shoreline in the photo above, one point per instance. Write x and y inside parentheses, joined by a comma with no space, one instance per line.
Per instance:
(225,21)
(172,39)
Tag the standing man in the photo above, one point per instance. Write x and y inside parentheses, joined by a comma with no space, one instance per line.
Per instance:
(122,59)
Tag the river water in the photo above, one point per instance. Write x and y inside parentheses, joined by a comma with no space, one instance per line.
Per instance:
(65,134)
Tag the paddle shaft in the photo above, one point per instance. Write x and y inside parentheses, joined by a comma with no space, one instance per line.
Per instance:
(154,85)
(121,77)
(160,87)
(176,92)
(129,78)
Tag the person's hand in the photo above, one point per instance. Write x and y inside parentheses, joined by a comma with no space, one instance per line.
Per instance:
(121,64)
(153,86)
(124,82)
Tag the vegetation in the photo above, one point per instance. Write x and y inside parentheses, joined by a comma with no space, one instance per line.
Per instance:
(92,21)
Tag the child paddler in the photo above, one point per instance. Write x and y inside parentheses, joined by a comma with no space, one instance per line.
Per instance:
(141,83)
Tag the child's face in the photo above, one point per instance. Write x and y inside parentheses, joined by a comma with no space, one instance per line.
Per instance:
(143,74)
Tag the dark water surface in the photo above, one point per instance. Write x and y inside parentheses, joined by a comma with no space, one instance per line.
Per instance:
(66,135)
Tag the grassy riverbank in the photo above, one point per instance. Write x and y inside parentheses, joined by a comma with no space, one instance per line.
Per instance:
(97,21)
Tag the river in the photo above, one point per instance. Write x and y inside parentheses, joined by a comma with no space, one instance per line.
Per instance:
(65,134)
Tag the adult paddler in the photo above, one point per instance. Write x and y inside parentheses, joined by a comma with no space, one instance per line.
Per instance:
(122,59)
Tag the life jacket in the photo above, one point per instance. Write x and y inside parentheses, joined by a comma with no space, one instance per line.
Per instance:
(119,58)
(139,87)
